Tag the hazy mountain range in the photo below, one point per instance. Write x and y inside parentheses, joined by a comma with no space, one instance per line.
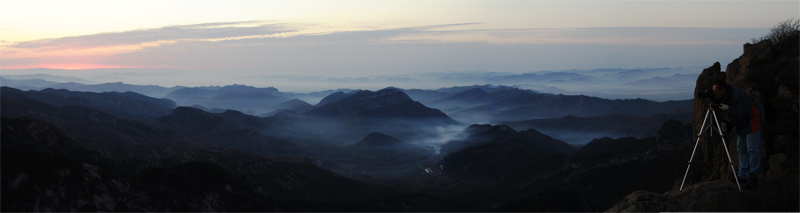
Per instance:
(465,104)
(490,104)
(413,149)
(348,154)
(663,83)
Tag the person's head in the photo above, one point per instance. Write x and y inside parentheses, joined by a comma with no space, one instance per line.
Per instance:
(720,89)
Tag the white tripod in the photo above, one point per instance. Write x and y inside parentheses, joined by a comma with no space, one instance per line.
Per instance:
(705,128)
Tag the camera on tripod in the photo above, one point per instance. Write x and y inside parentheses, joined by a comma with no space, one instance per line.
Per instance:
(708,97)
(705,94)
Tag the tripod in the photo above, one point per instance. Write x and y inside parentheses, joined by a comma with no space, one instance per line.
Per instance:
(705,128)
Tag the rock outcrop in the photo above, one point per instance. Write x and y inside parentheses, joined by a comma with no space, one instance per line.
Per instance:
(769,72)
(713,196)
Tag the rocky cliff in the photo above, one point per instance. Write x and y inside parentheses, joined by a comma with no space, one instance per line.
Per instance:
(769,72)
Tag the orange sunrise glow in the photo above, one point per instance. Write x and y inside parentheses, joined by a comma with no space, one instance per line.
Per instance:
(66,66)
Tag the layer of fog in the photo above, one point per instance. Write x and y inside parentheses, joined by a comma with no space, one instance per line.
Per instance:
(658,84)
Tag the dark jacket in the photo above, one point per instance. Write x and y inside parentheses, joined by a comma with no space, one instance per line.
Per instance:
(743,111)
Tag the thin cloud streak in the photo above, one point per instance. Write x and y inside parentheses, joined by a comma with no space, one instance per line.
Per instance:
(137,37)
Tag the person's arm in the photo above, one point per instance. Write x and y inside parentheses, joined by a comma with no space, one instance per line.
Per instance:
(741,108)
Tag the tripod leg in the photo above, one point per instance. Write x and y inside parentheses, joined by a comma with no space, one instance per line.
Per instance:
(704,122)
(703,128)
(726,152)
(690,163)
(731,162)
(684,176)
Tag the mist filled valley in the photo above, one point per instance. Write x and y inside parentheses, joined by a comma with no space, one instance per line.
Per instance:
(461,148)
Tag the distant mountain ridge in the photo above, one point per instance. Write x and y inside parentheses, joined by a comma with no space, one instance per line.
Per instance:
(26,84)
(149,90)
(466,103)
(493,104)
(47,77)
(126,105)
(39,84)
(572,129)
(251,100)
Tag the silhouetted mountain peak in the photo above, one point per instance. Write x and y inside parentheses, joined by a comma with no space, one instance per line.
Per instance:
(475,95)
(601,140)
(385,103)
(293,104)
(232,112)
(495,131)
(503,127)
(119,83)
(673,131)
(51,90)
(202,119)
(393,87)
(255,95)
(383,97)
(378,139)
(189,111)
(245,88)
(607,148)
(528,132)
(333,97)
(296,105)
(545,143)
(476,128)
(474,92)
(478,134)
(196,118)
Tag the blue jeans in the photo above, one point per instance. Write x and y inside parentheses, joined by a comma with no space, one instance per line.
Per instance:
(749,148)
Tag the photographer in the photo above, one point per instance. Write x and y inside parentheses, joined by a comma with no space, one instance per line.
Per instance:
(747,117)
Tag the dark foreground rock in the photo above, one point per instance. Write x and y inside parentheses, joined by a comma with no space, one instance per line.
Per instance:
(550,201)
(715,196)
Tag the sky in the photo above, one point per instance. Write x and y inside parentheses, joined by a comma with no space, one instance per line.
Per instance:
(198,43)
